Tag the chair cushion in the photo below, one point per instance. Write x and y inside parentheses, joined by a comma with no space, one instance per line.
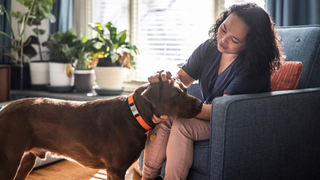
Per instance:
(302,43)
(287,77)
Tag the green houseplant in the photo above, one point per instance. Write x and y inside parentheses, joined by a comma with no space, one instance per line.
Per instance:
(116,52)
(39,69)
(15,50)
(60,65)
(113,46)
(82,56)
(37,10)
(37,13)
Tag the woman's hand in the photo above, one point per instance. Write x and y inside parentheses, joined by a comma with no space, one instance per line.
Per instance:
(163,75)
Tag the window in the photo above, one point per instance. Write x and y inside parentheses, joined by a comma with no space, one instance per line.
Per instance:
(165,31)
(116,12)
(169,31)
(230,2)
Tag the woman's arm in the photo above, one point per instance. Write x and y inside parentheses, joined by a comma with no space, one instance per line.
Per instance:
(184,78)
(205,113)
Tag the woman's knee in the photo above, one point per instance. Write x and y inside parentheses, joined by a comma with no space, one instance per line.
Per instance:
(182,126)
(193,128)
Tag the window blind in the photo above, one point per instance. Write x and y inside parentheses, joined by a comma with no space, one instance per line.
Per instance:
(165,31)
(117,12)
(168,31)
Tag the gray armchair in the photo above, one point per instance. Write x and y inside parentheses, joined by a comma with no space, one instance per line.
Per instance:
(268,135)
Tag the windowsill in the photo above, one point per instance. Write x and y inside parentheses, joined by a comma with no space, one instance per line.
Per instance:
(129,87)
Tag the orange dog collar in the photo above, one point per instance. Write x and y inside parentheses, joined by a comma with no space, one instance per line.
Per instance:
(136,114)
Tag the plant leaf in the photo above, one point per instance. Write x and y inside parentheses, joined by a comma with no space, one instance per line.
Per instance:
(2,9)
(68,70)
(31,40)
(84,39)
(39,31)
(122,36)
(113,56)
(113,32)
(52,18)
(18,15)
(29,51)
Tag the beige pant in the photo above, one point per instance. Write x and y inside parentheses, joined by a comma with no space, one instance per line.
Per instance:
(174,141)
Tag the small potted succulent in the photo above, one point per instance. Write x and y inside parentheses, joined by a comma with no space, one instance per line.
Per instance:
(117,54)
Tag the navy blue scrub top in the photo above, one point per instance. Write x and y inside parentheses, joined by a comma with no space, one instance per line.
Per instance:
(203,65)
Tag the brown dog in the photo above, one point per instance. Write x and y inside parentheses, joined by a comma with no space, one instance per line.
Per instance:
(97,134)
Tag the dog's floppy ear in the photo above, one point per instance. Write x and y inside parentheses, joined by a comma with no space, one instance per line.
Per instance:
(152,93)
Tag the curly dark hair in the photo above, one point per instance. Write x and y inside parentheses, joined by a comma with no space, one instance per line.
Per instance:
(263,48)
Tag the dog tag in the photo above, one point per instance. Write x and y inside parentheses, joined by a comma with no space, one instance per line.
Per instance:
(153,137)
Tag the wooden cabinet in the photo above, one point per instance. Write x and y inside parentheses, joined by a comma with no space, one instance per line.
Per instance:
(4,83)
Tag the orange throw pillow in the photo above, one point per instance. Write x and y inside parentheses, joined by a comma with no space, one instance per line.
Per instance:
(287,77)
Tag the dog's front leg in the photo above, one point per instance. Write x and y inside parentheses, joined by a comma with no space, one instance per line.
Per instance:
(115,174)
(9,164)
(26,166)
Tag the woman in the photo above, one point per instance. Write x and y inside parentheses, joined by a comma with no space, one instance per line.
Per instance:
(239,57)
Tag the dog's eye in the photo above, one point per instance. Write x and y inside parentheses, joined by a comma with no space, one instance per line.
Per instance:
(176,93)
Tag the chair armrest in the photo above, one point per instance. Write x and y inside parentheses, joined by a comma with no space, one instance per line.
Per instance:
(266,136)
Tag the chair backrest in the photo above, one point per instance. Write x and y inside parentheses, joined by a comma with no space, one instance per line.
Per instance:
(302,43)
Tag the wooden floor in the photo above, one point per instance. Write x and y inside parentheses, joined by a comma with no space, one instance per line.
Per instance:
(66,170)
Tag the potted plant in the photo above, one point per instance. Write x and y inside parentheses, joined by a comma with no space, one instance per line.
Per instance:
(19,74)
(117,54)
(60,65)
(39,69)
(82,56)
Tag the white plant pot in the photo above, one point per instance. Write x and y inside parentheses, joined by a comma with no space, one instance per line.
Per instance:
(39,72)
(58,74)
(109,77)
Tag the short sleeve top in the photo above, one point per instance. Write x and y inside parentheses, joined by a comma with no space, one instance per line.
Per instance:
(203,65)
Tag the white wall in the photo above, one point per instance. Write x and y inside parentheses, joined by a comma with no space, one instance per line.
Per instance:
(15,6)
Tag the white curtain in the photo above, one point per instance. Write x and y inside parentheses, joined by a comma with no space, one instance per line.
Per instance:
(82,16)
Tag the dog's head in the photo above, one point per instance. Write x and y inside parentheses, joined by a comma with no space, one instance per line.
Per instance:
(172,99)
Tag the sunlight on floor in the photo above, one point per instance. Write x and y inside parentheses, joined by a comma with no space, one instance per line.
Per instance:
(101,175)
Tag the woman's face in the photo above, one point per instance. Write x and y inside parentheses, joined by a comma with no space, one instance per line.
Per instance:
(232,35)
